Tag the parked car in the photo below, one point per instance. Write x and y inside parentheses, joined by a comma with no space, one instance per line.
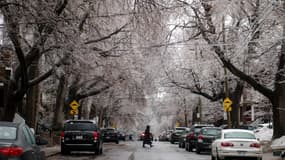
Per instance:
(192,137)
(262,126)
(81,135)
(182,138)
(122,135)
(163,136)
(236,143)
(175,136)
(18,142)
(168,134)
(205,138)
(110,135)
(247,127)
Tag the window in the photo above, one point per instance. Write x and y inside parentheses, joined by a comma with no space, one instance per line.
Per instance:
(8,133)
(30,138)
(75,126)
(239,135)
(212,132)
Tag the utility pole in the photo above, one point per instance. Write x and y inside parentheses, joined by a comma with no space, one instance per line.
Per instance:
(226,76)
(185,113)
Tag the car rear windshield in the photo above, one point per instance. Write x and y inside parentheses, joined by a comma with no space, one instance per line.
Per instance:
(109,130)
(239,135)
(8,133)
(82,126)
(211,132)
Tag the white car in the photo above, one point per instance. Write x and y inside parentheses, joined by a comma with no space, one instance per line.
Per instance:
(235,143)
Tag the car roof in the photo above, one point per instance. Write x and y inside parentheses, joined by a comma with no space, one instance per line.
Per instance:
(92,121)
(237,130)
(9,124)
(109,128)
(209,127)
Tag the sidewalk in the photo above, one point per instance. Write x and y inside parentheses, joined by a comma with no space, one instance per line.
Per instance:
(269,156)
(51,151)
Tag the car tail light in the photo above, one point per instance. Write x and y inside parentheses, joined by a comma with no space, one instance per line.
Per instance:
(191,136)
(11,151)
(95,135)
(62,134)
(200,138)
(227,144)
(255,145)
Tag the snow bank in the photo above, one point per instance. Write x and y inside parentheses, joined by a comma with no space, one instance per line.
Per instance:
(278,143)
(264,134)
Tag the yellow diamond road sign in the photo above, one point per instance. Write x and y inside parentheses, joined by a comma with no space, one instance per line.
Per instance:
(73,112)
(74,105)
(227,105)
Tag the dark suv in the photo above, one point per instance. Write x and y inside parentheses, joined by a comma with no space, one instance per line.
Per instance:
(81,135)
(205,138)
(191,138)
(175,136)
(110,135)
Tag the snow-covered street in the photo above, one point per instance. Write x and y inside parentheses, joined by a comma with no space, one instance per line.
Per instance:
(132,150)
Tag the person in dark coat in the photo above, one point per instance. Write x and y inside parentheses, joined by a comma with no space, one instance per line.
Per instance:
(147,137)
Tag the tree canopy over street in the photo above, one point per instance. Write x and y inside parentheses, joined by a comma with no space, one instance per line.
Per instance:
(132,62)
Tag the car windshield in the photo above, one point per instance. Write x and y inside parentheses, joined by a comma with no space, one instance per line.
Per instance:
(86,126)
(197,130)
(211,132)
(8,133)
(179,131)
(109,130)
(239,135)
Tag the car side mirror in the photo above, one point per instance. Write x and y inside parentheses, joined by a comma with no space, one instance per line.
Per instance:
(40,141)
(33,130)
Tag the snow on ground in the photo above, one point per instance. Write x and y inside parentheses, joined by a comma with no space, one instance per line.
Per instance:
(264,134)
(278,143)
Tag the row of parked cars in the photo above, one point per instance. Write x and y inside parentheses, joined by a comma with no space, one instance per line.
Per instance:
(222,143)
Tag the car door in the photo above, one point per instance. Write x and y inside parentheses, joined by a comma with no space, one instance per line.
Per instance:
(35,149)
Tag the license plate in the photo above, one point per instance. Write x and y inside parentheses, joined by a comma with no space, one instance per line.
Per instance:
(79,137)
(241,152)
(107,137)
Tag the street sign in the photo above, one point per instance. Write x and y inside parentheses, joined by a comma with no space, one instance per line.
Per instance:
(74,105)
(177,124)
(74,112)
(227,105)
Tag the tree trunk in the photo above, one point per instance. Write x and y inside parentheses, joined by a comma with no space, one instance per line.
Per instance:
(278,109)
(31,107)
(236,97)
(11,104)
(59,106)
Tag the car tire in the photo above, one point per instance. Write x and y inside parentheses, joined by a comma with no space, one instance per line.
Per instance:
(179,145)
(117,142)
(198,150)
(212,157)
(64,151)
(190,149)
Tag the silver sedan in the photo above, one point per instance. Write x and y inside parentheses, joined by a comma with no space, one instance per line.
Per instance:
(236,143)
